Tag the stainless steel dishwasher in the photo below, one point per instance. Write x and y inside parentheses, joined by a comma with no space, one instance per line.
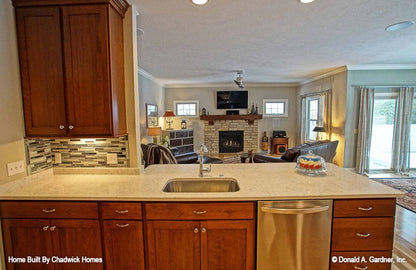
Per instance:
(294,235)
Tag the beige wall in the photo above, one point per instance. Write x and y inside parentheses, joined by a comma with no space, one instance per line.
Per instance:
(11,112)
(338,84)
(150,93)
(207,99)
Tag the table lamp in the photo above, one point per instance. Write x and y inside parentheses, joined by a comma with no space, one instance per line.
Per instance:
(169,118)
(155,132)
(317,130)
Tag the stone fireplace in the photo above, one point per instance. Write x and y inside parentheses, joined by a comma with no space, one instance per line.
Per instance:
(250,135)
(231,141)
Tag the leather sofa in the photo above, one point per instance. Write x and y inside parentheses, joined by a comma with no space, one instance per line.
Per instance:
(326,149)
(185,158)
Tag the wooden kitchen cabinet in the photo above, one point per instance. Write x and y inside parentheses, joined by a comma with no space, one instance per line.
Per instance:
(72,67)
(16,235)
(209,236)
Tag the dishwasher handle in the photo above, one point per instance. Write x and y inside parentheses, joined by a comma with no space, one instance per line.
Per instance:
(288,211)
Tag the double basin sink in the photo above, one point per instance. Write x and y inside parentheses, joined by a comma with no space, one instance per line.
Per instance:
(194,185)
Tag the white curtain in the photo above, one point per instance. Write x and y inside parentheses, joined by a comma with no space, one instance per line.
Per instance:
(401,140)
(365,130)
(303,121)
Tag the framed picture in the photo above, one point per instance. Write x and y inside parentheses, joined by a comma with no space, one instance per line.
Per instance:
(151,115)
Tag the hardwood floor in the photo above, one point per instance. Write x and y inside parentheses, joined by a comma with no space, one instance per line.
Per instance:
(405,239)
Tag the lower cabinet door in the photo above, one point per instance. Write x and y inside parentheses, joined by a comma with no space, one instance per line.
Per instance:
(227,245)
(173,245)
(77,238)
(26,237)
(123,244)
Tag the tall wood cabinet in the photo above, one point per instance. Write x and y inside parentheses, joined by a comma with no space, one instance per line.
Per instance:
(72,67)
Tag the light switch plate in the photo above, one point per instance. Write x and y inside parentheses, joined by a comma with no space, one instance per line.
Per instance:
(112,159)
(15,168)
(58,158)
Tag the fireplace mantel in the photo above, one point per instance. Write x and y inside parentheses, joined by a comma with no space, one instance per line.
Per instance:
(249,117)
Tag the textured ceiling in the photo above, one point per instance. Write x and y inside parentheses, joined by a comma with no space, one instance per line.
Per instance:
(271,40)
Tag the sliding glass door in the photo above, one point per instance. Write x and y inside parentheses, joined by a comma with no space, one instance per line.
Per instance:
(384,115)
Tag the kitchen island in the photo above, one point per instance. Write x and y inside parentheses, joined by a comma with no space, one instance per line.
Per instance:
(128,222)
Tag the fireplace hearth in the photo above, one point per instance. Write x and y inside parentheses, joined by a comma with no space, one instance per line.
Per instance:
(231,141)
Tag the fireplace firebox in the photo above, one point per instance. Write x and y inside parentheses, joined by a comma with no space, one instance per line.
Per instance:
(231,141)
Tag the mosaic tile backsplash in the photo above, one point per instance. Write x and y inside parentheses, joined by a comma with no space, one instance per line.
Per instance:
(75,153)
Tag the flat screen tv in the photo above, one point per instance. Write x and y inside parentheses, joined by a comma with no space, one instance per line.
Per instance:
(232,99)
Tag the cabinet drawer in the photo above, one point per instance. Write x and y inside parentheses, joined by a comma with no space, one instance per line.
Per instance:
(353,265)
(362,234)
(200,211)
(365,208)
(49,210)
(121,210)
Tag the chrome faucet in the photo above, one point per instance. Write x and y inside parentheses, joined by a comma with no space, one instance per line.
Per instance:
(203,170)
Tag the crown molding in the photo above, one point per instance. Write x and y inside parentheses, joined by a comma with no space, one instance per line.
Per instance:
(327,74)
(230,85)
(149,76)
(381,67)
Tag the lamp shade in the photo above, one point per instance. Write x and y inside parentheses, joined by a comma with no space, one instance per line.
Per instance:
(169,114)
(319,129)
(154,131)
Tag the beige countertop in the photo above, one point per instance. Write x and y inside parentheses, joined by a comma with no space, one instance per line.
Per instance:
(260,181)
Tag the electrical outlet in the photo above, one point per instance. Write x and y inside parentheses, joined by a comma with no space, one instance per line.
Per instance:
(15,168)
(112,159)
(58,158)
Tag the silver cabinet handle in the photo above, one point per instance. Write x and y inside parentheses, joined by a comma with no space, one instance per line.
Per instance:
(196,230)
(122,225)
(48,211)
(203,230)
(53,228)
(361,268)
(294,211)
(365,208)
(122,211)
(61,127)
(200,212)
(71,127)
(45,228)
(363,235)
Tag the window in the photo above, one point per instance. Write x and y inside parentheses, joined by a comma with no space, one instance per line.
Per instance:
(412,151)
(275,107)
(312,117)
(187,108)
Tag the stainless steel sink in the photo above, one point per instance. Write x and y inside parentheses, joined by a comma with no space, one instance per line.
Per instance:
(201,185)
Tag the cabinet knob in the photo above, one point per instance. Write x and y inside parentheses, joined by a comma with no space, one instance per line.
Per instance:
(122,211)
(71,127)
(196,230)
(203,230)
(53,228)
(61,127)
(197,212)
(45,228)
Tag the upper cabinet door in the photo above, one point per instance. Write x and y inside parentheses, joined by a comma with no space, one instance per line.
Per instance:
(42,76)
(86,53)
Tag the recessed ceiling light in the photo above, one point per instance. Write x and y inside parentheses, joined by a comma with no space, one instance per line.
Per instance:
(306,1)
(199,2)
(399,26)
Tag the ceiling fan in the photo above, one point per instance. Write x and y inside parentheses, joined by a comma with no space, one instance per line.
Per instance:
(239,80)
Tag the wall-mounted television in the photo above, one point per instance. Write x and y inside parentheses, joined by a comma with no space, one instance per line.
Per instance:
(232,99)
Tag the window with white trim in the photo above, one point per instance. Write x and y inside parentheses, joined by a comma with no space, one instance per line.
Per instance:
(312,117)
(186,108)
(275,107)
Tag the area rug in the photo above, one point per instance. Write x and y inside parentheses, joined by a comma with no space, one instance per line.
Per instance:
(406,185)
